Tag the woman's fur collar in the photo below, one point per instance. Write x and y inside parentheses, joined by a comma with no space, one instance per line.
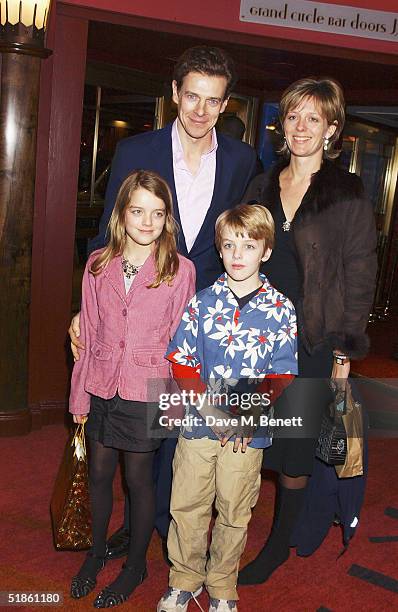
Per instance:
(329,186)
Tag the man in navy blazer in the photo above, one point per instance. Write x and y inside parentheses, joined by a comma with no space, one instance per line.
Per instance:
(235,166)
(207,173)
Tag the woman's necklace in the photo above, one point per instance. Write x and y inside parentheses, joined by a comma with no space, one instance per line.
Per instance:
(294,194)
(129,269)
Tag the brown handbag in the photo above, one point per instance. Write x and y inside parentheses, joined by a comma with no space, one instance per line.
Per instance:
(70,502)
(353,423)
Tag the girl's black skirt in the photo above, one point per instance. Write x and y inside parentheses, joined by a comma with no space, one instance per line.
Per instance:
(122,424)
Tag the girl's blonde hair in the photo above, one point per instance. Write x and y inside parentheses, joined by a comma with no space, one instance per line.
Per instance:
(255,220)
(328,96)
(165,253)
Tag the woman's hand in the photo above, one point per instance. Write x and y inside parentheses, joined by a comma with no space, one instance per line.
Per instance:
(74,333)
(340,373)
(79,418)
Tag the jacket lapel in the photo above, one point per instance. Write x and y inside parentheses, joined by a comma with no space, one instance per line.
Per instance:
(114,274)
(144,277)
(326,188)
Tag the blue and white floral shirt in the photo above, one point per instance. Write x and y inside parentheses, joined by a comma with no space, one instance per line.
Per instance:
(228,345)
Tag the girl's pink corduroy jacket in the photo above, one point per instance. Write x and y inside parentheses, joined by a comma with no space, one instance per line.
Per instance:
(126,335)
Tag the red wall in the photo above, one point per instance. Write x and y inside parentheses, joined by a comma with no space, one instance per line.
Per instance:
(224,15)
(58,150)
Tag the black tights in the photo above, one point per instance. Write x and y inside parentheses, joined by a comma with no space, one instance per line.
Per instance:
(139,479)
(293,482)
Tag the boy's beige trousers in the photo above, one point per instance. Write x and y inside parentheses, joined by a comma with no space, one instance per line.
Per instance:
(203,471)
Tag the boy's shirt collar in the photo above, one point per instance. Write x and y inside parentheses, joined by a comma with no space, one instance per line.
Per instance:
(221,286)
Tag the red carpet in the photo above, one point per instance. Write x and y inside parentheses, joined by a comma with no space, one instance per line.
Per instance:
(377,375)
(30,563)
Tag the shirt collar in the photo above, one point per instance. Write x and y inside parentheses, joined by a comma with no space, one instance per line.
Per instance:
(178,152)
(221,285)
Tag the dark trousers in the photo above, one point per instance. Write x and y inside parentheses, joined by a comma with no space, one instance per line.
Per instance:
(163,476)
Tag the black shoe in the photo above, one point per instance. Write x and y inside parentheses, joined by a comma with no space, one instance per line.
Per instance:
(277,549)
(84,582)
(118,544)
(271,556)
(109,597)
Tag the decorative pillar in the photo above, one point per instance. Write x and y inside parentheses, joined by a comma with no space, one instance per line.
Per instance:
(22,31)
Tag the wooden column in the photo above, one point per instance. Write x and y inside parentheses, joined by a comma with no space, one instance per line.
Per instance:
(39,180)
(20,71)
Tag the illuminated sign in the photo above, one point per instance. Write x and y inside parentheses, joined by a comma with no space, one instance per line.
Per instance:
(321,17)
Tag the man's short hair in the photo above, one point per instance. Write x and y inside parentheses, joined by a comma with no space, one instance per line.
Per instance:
(254,220)
(210,61)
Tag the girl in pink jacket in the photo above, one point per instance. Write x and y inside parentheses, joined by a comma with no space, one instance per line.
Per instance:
(133,295)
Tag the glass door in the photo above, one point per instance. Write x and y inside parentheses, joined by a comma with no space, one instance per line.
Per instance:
(372,153)
(118,103)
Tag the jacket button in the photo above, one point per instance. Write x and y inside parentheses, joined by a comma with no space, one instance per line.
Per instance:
(153,360)
(121,344)
(314,245)
(98,353)
(124,312)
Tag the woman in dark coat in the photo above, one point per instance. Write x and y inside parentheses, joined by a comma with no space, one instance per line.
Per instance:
(324,260)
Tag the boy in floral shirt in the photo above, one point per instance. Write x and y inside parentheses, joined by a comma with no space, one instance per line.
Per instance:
(232,336)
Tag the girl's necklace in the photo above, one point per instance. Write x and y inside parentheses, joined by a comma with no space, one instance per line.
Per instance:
(130,270)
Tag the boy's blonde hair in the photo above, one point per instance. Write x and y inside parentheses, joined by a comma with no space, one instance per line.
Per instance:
(165,252)
(255,220)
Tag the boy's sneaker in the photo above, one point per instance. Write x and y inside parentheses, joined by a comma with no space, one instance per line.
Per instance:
(223,605)
(175,600)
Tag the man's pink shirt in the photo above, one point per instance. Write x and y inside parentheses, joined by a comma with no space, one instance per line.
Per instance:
(194,191)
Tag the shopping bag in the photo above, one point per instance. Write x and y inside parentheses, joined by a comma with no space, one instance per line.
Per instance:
(70,502)
(353,424)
